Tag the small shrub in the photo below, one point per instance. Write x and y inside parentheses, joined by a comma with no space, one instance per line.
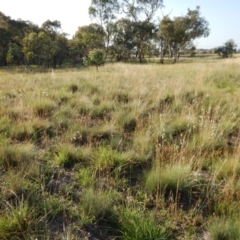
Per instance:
(95,58)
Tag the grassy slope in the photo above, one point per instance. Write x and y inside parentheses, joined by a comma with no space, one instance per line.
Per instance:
(133,151)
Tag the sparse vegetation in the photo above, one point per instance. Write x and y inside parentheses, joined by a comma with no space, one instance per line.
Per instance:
(128,152)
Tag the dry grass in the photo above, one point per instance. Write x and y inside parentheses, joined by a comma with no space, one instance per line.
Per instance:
(127,129)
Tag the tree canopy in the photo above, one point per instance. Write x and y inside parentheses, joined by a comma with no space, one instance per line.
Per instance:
(227,49)
(179,33)
(122,29)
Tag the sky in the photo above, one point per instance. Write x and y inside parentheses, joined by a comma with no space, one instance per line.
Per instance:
(223,15)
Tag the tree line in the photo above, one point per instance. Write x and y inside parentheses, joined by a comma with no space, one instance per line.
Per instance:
(122,29)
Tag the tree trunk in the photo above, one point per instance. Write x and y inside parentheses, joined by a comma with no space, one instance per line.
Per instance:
(140,57)
(174,56)
(162,53)
(170,54)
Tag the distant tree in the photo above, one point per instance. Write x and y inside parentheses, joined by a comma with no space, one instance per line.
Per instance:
(5,38)
(62,49)
(12,33)
(231,47)
(75,51)
(221,51)
(52,27)
(31,47)
(122,42)
(227,49)
(47,47)
(141,10)
(141,15)
(95,57)
(57,48)
(90,37)
(179,33)
(104,12)
(14,54)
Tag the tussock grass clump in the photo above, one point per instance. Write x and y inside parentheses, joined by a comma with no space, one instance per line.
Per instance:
(44,108)
(21,131)
(68,156)
(17,155)
(42,130)
(102,112)
(175,177)
(106,159)
(121,97)
(98,204)
(166,102)
(224,228)
(86,177)
(16,184)
(177,132)
(228,167)
(61,97)
(80,137)
(192,97)
(17,222)
(73,88)
(136,224)
(16,114)
(130,125)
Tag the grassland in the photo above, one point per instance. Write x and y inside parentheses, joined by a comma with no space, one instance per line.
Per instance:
(140,152)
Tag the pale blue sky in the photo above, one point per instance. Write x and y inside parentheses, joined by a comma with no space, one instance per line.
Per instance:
(223,16)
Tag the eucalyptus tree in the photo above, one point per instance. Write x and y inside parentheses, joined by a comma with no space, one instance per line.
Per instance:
(141,10)
(141,13)
(90,37)
(227,50)
(36,48)
(105,12)
(30,47)
(4,41)
(14,54)
(57,43)
(75,51)
(123,41)
(231,47)
(179,33)
(95,58)
(12,33)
